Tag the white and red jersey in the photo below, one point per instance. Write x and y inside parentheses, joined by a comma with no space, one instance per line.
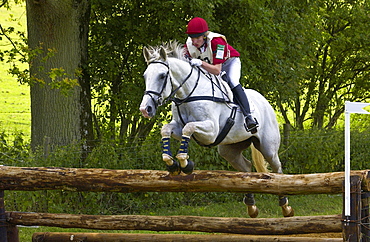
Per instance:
(215,50)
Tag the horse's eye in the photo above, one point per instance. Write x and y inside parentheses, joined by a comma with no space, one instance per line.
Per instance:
(163,76)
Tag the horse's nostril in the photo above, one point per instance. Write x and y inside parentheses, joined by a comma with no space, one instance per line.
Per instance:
(149,109)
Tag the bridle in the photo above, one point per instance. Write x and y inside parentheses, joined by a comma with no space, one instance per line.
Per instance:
(159,101)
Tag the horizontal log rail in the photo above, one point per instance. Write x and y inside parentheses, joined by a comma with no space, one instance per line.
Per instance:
(114,237)
(251,226)
(105,180)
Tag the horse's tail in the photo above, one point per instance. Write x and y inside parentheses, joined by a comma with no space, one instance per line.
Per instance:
(258,160)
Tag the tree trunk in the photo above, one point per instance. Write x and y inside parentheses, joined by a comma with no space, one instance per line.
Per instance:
(59,30)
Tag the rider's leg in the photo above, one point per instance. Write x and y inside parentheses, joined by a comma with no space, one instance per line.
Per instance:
(241,99)
(232,67)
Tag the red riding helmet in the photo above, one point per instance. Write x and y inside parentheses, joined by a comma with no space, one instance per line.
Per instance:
(196,27)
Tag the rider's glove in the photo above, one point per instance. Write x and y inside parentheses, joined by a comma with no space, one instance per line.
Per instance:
(196,62)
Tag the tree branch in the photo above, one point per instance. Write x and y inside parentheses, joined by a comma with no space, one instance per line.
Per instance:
(4,2)
(3,32)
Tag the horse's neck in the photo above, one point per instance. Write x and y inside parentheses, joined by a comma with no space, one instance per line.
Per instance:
(179,70)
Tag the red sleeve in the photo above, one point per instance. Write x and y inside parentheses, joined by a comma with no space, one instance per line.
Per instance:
(219,41)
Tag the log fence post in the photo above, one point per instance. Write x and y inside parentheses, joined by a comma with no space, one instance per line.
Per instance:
(8,232)
(365,215)
(3,224)
(351,224)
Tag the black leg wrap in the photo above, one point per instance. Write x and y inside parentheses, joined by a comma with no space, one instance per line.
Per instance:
(188,169)
(249,199)
(282,200)
(174,169)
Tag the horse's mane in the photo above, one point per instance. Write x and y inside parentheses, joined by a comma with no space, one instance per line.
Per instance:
(173,49)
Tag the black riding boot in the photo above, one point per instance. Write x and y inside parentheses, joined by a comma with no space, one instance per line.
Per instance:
(240,98)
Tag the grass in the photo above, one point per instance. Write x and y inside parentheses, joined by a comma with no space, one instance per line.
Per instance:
(15,113)
(304,205)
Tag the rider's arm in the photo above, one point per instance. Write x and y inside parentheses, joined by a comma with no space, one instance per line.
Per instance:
(213,69)
(218,58)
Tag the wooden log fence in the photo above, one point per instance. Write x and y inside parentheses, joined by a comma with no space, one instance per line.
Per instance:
(104,180)
(252,226)
(111,237)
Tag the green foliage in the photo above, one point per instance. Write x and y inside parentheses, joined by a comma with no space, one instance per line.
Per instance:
(315,151)
(14,152)
(103,155)
(13,38)
(360,147)
(61,81)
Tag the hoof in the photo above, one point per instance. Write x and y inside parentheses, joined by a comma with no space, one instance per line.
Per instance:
(252,211)
(188,169)
(174,169)
(288,211)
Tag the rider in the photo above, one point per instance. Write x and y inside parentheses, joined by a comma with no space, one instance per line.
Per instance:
(212,52)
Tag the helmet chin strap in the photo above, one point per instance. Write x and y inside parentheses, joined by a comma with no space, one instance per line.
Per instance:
(203,47)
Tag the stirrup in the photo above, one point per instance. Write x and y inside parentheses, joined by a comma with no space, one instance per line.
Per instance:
(251,124)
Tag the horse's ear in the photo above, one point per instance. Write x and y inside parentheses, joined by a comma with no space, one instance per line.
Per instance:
(163,54)
(146,54)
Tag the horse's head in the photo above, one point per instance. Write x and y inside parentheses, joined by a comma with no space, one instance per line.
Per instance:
(157,81)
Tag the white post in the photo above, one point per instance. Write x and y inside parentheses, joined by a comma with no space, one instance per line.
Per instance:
(350,107)
(347,162)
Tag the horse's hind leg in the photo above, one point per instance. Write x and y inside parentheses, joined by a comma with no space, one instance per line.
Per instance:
(288,211)
(233,154)
(271,156)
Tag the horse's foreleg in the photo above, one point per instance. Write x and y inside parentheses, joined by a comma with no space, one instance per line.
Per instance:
(187,166)
(204,129)
(172,166)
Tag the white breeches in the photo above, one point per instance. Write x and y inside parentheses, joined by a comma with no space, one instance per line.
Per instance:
(232,67)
